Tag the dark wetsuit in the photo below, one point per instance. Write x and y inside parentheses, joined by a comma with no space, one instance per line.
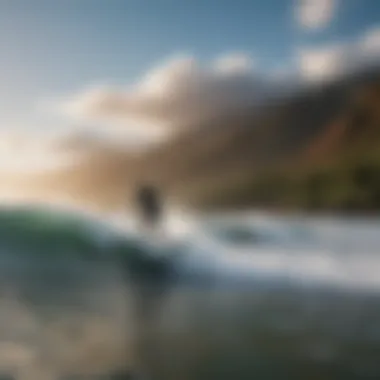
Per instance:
(149,204)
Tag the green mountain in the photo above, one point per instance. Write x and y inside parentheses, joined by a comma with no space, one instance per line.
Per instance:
(315,149)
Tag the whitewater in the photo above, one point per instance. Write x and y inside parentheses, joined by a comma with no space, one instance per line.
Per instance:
(227,296)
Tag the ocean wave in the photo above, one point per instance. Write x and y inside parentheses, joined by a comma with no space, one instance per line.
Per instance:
(82,295)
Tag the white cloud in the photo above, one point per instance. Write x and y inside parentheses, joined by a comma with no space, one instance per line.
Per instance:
(315,14)
(323,63)
(327,62)
(179,90)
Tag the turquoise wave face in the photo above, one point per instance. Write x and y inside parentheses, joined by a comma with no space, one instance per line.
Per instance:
(46,231)
(59,235)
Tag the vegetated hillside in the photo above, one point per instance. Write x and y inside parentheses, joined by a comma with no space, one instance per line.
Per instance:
(316,149)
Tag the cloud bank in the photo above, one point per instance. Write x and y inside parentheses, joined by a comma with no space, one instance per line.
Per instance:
(179,90)
(182,90)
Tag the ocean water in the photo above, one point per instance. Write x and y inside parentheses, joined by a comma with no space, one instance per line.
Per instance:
(235,296)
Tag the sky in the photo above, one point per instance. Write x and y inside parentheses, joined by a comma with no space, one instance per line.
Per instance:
(138,69)
(54,48)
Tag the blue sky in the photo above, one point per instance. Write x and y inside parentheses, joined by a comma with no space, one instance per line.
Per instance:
(51,47)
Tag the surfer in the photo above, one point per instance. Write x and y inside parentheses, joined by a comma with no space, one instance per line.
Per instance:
(149,205)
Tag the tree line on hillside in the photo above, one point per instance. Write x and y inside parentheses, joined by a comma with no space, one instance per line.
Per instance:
(345,186)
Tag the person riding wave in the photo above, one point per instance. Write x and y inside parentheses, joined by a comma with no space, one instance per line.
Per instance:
(149,203)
